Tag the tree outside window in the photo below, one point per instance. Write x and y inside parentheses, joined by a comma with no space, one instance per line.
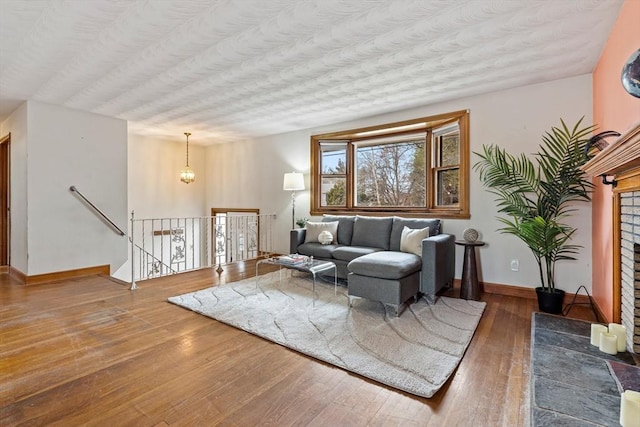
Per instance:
(418,166)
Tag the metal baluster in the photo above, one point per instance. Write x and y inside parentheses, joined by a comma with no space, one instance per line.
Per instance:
(133,264)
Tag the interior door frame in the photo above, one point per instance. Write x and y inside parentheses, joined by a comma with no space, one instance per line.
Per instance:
(226,211)
(5,188)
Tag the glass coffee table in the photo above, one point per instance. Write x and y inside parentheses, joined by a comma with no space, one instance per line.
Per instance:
(311,266)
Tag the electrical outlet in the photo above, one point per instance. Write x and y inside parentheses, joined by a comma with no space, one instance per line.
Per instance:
(515,265)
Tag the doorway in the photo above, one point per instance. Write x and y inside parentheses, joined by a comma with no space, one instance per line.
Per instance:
(236,234)
(4,199)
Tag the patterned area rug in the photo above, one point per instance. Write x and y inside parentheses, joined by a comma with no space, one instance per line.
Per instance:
(416,352)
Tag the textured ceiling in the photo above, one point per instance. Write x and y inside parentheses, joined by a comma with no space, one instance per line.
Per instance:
(229,70)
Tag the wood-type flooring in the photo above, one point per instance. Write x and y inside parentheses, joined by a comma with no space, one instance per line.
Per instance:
(90,352)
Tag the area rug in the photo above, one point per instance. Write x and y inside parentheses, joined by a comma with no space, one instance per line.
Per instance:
(416,352)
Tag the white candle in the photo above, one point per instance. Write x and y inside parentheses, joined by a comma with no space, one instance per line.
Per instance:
(630,409)
(596,330)
(621,332)
(608,343)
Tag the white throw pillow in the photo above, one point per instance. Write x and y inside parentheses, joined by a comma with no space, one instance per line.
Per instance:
(411,240)
(315,228)
(325,237)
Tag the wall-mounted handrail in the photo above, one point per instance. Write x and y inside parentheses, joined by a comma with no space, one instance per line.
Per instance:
(95,208)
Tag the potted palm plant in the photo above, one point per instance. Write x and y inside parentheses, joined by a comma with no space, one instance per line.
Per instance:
(537,196)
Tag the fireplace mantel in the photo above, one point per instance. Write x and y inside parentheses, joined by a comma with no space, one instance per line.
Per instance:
(622,156)
(620,164)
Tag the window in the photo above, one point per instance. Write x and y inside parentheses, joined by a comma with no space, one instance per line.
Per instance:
(334,174)
(414,167)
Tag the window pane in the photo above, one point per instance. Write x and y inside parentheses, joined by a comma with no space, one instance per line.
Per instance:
(384,168)
(333,192)
(450,149)
(448,187)
(391,174)
(334,158)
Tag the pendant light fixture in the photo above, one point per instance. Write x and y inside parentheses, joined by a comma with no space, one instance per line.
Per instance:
(187,175)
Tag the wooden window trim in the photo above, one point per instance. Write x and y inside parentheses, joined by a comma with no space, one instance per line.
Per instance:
(461,211)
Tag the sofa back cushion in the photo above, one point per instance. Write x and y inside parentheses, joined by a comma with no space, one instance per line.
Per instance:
(372,232)
(345,227)
(400,223)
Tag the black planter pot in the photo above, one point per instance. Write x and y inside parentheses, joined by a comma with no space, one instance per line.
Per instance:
(550,302)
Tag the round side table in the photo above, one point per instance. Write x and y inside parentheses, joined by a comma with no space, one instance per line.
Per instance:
(469,286)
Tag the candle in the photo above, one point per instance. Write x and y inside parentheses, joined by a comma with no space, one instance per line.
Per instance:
(630,409)
(608,343)
(621,332)
(596,330)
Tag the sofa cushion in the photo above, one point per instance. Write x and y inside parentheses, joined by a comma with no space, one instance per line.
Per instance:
(386,265)
(372,232)
(315,228)
(317,250)
(411,240)
(345,227)
(400,223)
(348,253)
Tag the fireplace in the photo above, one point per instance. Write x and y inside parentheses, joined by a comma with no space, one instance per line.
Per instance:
(619,163)
(630,267)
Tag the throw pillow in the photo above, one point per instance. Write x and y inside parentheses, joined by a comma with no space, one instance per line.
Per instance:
(315,228)
(411,240)
(325,237)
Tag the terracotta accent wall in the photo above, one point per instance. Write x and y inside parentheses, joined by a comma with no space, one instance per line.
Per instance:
(613,109)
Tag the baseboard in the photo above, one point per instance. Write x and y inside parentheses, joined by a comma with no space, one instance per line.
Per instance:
(18,275)
(529,293)
(601,316)
(4,269)
(59,275)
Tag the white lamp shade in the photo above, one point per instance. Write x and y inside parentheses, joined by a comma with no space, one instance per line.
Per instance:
(293,181)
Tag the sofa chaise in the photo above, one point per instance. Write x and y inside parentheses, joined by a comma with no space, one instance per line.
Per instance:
(387,259)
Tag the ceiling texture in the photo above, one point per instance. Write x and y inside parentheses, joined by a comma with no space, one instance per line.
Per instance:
(228,70)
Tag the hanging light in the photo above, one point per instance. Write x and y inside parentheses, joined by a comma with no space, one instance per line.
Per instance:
(187,175)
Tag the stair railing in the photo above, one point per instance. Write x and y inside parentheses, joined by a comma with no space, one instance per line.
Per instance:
(175,245)
(189,237)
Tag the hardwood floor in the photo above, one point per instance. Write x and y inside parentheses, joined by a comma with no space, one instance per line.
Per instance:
(90,352)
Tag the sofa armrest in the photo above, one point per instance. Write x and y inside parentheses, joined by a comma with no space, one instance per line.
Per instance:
(296,238)
(438,264)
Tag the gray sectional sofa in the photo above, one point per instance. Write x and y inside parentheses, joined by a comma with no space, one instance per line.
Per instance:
(367,252)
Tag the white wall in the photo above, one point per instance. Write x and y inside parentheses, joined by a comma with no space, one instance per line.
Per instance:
(250,174)
(16,124)
(53,148)
(69,147)
(155,189)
